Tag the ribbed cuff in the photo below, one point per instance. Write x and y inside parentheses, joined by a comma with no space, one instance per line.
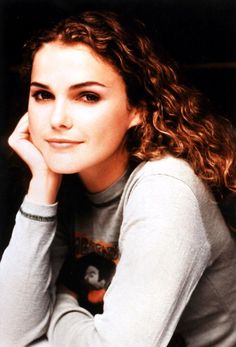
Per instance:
(38,212)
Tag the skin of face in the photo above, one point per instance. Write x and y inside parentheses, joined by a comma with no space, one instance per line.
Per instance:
(79,114)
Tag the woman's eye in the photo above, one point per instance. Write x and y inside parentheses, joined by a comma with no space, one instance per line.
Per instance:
(42,95)
(89,97)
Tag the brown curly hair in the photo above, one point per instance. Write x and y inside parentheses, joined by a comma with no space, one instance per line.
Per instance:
(175,118)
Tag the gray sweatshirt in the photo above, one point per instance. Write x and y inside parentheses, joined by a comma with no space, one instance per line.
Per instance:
(175,270)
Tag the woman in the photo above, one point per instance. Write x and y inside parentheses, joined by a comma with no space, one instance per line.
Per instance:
(147,157)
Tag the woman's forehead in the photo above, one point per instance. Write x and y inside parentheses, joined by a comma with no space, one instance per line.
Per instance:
(73,61)
(79,57)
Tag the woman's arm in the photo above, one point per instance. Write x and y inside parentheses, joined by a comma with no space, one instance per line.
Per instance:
(164,251)
(27,277)
(28,265)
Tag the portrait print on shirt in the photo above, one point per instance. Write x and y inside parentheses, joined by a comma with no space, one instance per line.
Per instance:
(90,272)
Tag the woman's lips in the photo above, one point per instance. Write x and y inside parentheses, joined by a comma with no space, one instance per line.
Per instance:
(62,143)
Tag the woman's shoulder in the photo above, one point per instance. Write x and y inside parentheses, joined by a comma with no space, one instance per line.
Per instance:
(170,184)
(171,168)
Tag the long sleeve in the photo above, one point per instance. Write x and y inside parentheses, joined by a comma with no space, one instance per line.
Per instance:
(163,253)
(27,272)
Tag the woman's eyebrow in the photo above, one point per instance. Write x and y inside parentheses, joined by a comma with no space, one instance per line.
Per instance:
(39,85)
(87,84)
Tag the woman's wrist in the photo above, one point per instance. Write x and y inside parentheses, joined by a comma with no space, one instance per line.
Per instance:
(43,189)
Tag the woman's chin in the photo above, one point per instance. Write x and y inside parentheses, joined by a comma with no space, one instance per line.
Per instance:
(63,170)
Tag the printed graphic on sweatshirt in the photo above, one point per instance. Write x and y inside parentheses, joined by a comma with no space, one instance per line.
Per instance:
(91,271)
(84,246)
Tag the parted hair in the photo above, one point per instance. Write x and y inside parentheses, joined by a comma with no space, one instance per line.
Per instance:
(175,118)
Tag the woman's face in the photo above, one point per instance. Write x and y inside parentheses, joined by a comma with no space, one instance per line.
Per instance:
(79,113)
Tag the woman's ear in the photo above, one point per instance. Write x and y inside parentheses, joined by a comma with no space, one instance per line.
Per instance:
(135,117)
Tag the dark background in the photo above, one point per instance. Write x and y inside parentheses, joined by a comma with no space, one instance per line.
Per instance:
(199,34)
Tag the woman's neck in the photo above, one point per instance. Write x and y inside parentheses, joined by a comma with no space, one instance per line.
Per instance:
(99,178)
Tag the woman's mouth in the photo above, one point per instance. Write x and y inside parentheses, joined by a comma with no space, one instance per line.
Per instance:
(62,143)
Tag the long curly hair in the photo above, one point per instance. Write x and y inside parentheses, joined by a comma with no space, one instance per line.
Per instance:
(175,118)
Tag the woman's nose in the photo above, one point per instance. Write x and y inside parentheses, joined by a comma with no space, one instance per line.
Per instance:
(60,117)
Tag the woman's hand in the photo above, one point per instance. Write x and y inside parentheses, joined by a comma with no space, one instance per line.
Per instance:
(45,183)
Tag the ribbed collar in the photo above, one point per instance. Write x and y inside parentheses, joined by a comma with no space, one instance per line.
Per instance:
(111,193)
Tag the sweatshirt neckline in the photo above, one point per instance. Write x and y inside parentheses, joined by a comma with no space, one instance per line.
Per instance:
(110,194)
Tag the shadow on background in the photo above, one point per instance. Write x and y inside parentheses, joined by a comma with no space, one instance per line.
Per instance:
(199,35)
